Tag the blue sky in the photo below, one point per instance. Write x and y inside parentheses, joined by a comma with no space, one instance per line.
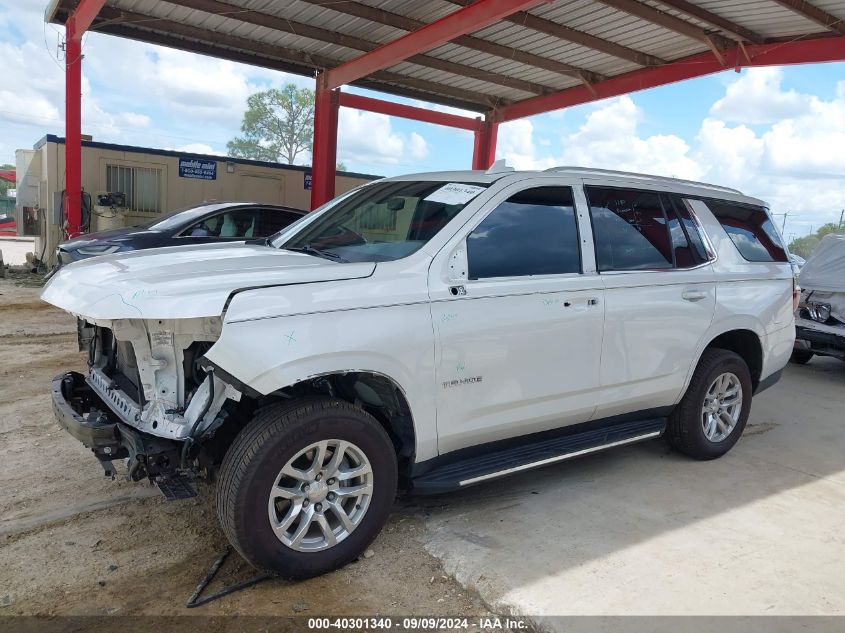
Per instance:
(777,134)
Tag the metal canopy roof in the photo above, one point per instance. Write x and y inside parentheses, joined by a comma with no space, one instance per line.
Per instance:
(552,47)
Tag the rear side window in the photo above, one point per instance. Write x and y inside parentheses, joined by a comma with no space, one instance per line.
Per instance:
(750,229)
(631,230)
(531,233)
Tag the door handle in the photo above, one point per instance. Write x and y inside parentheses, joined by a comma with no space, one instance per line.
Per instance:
(693,295)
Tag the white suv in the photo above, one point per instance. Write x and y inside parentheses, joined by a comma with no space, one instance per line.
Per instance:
(426,333)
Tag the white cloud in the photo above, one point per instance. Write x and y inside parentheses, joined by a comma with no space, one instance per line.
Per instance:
(368,137)
(795,163)
(517,146)
(196,148)
(418,148)
(756,98)
(609,139)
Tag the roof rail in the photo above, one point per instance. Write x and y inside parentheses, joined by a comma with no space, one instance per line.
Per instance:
(626,174)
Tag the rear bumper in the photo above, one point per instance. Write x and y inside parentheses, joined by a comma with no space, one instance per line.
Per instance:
(86,417)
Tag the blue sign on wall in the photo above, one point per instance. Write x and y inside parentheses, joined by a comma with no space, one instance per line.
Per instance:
(307,180)
(196,168)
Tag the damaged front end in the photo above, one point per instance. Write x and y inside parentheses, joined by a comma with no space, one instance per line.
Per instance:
(147,399)
(820,323)
(820,318)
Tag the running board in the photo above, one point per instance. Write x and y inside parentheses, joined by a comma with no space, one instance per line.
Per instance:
(525,456)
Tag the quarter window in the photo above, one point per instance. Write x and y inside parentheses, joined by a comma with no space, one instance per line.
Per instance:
(750,229)
(631,230)
(691,226)
(533,232)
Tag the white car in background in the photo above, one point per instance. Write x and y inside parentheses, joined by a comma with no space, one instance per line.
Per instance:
(820,320)
(426,332)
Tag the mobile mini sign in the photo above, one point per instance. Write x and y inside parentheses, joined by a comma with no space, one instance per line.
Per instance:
(196,168)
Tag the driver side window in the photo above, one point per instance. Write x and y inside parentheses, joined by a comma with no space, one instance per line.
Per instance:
(232,224)
(534,232)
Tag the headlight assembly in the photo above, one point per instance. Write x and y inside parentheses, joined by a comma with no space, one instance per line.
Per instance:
(819,311)
(103,249)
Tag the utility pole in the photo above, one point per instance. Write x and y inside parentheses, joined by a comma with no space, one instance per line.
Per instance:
(841,214)
(783,226)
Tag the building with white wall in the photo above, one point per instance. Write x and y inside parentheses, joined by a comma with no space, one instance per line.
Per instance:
(153,181)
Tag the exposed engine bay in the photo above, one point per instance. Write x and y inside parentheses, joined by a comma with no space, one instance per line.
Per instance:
(150,371)
(147,376)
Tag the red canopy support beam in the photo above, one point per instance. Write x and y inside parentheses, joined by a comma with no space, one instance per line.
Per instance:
(407,112)
(484,148)
(825,49)
(324,150)
(471,18)
(75,26)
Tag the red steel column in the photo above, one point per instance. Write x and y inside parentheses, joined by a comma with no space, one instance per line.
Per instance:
(324,151)
(73,128)
(484,148)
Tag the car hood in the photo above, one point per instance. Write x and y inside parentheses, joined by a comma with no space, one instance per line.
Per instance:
(183,281)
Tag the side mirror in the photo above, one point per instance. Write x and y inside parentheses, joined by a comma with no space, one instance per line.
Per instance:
(458,263)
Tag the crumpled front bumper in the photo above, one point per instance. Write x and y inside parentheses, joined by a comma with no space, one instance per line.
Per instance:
(85,416)
(820,339)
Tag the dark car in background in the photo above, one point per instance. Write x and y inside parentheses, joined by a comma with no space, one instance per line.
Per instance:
(201,224)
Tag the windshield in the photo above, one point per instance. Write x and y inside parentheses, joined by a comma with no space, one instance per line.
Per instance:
(181,217)
(382,222)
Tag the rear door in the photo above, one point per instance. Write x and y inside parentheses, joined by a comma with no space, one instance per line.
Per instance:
(518,318)
(660,296)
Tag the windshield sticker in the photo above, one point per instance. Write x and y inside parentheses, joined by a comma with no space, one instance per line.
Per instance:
(454,193)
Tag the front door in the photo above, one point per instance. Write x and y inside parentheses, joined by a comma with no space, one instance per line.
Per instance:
(518,333)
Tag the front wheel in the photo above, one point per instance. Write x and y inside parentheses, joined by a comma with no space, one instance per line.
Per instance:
(306,487)
(712,414)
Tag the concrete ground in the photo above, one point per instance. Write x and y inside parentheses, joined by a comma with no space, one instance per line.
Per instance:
(638,530)
(641,530)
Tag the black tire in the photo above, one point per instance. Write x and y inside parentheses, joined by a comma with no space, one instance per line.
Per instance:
(259,452)
(684,431)
(801,356)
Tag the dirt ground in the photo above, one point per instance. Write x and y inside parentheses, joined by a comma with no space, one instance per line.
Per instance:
(74,543)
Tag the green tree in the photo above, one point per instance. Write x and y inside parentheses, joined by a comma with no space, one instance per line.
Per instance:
(278,125)
(803,246)
(341,166)
(5,185)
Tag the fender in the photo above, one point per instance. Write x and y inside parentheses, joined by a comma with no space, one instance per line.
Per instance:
(397,342)
(716,329)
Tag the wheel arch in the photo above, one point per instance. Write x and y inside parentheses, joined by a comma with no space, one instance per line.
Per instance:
(375,392)
(744,342)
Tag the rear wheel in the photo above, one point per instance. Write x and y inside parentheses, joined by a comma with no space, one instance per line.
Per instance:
(306,487)
(801,356)
(712,414)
